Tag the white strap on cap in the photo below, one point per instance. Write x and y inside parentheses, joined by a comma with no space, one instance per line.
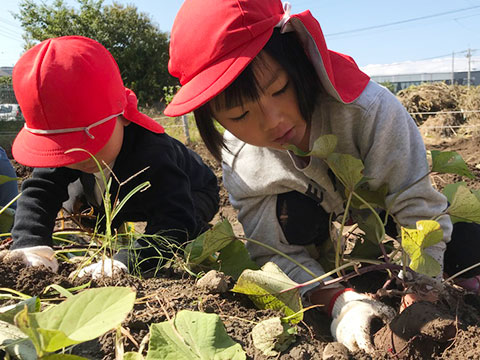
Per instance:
(69,130)
(286,16)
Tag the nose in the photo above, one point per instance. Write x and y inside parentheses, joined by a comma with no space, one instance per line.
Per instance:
(272,114)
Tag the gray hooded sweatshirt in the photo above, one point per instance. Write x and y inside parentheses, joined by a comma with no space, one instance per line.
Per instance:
(375,128)
(369,123)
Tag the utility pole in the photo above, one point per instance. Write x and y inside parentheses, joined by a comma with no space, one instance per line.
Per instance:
(453,68)
(469,56)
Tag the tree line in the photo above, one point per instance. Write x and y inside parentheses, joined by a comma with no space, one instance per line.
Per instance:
(135,41)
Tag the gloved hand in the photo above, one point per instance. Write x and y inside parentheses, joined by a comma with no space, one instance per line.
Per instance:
(107,267)
(32,256)
(352,315)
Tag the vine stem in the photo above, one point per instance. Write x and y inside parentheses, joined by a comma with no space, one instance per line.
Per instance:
(278,252)
(321,277)
(362,271)
(2,209)
(340,235)
(373,211)
(462,272)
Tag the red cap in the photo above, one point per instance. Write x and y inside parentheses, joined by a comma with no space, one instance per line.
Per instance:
(70,92)
(212,42)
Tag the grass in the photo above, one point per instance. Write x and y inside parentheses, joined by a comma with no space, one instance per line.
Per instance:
(175,126)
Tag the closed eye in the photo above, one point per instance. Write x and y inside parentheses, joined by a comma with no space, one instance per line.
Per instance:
(282,90)
(237,118)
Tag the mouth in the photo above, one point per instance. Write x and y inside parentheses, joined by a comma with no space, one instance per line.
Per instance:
(285,138)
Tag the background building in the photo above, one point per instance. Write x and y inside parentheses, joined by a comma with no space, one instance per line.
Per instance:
(403,81)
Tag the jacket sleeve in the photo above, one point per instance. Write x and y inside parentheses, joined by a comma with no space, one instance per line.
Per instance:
(257,214)
(38,206)
(394,153)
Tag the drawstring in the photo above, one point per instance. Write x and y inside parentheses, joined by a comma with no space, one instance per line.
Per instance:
(69,130)
(286,16)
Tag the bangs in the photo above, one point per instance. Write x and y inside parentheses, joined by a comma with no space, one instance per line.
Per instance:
(244,89)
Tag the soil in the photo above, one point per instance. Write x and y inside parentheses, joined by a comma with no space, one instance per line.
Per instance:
(447,329)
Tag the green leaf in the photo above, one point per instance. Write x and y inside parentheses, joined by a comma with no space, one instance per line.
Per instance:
(296,150)
(324,146)
(234,259)
(60,289)
(16,343)
(192,335)
(4,179)
(374,233)
(7,313)
(63,357)
(376,198)
(208,243)
(80,318)
(6,219)
(476,192)
(450,189)
(415,241)
(271,336)
(465,206)
(132,356)
(449,162)
(373,229)
(365,250)
(267,289)
(347,169)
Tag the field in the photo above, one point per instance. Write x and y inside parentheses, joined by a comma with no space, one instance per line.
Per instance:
(448,329)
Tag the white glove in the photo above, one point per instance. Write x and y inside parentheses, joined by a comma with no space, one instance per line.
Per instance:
(33,256)
(352,315)
(107,267)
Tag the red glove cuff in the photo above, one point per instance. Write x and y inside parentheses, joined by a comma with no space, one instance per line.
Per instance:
(334,298)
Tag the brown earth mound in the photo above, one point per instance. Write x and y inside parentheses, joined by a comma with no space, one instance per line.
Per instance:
(448,329)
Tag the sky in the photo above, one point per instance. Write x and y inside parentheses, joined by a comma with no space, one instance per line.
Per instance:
(384,37)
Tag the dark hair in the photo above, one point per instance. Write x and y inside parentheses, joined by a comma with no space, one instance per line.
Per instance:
(287,50)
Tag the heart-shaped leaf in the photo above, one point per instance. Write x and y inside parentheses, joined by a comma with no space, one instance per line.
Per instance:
(192,335)
(415,241)
(270,288)
(449,162)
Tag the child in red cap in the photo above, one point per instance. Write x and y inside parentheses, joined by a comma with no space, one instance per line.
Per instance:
(269,79)
(72,96)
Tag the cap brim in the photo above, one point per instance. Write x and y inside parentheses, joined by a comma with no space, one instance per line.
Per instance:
(216,78)
(38,150)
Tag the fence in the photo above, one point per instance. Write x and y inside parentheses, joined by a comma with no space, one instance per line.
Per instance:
(182,128)
(10,128)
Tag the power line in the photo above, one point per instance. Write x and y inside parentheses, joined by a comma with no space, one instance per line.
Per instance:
(13,31)
(401,21)
(10,35)
(431,58)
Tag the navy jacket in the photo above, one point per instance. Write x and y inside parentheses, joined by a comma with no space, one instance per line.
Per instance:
(177,176)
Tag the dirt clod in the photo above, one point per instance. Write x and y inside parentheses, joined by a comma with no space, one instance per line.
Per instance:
(423,329)
(335,351)
(213,282)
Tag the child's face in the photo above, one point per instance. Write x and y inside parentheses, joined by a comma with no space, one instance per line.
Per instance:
(275,119)
(108,153)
